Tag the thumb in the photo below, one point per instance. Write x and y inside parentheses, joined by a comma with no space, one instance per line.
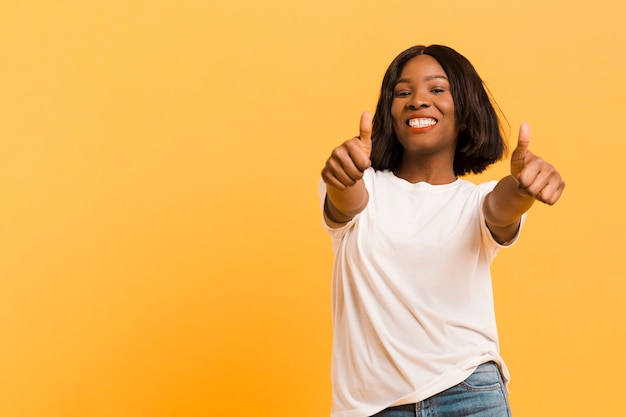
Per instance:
(365,133)
(519,154)
(523,140)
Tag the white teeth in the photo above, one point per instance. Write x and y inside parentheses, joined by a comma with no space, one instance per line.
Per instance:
(422,122)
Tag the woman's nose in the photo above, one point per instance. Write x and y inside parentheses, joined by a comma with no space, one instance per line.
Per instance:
(418,102)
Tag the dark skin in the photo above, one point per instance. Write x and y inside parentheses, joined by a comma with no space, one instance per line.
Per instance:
(424,124)
(532,179)
(423,114)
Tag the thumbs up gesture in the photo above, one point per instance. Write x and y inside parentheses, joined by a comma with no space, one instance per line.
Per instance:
(536,177)
(348,161)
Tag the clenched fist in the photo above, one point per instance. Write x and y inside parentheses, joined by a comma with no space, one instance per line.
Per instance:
(348,162)
(536,177)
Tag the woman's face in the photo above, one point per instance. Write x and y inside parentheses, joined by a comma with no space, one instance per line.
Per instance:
(423,109)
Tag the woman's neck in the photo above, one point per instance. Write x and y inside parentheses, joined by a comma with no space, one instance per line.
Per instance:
(432,172)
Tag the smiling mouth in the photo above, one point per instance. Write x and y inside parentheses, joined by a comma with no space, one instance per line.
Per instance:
(422,122)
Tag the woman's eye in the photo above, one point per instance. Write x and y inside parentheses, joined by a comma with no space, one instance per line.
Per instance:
(438,90)
(402,94)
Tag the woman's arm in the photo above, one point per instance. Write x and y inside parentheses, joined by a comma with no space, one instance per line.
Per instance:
(531,179)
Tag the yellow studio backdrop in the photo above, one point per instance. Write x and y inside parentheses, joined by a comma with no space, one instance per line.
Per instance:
(161,247)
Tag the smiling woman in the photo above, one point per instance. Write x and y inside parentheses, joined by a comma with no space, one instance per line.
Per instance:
(414,323)
(423,118)
(160,244)
(479,140)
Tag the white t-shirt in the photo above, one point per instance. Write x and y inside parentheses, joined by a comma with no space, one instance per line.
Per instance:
(412,302)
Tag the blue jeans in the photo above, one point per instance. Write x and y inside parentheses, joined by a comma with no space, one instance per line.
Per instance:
(482,394)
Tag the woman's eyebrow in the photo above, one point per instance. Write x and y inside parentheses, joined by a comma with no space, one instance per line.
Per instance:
(427,78)
(435,77)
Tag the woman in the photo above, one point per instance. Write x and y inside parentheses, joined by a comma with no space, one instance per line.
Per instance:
(415,331)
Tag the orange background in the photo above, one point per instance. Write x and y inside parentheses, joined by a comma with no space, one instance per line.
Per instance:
(161,248)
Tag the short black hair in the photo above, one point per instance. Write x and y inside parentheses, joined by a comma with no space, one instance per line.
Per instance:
(480,142)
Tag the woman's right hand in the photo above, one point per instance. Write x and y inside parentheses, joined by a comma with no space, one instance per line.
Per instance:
(348,161)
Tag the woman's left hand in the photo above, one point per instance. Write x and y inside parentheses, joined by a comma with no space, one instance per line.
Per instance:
(535,177)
